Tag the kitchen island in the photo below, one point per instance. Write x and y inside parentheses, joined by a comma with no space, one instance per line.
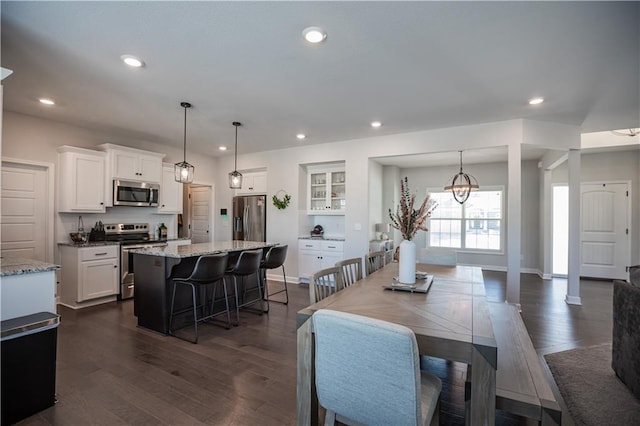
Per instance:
(156,266)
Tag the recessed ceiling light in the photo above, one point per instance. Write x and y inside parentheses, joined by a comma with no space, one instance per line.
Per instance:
(301,136)
(536,101)
(132,61)
(376,124)
(314,34)
(46,101)
(222,148)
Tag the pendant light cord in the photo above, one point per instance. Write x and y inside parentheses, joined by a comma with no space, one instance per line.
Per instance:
(460,161)
(184,139)
(235,164)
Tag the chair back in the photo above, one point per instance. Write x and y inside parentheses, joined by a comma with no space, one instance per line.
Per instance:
(209,268)
(367,370)
(350,270)
(324,283)
(375,261)
(275,257)
(248,263)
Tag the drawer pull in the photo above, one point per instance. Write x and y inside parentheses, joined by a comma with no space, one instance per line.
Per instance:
(101,254)
(331,246)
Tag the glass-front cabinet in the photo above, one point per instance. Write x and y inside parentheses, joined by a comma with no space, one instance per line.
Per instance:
(326,191)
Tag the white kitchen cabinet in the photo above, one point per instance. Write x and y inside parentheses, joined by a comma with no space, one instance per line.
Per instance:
(253,183)
(326,189)
(81,187)
(170,192)
(133,164)
(314,255)
(89,275)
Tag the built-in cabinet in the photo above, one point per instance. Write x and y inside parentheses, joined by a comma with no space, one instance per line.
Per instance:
(253,183)
(89,275)
(314,255)
(81,187)
(130,164)
(170,192)
(326,191)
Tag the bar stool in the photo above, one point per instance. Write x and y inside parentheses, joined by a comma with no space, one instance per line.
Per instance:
(248,263)
(209,269)
(274,258)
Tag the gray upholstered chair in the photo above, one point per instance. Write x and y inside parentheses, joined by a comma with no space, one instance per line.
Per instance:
(375,261)
(368,372)
(350,270)
(324,283)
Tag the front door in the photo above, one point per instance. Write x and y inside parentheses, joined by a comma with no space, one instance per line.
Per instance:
(605,251)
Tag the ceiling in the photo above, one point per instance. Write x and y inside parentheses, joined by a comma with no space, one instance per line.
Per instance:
(412,65)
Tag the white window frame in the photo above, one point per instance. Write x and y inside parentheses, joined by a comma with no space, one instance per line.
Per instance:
(463,220)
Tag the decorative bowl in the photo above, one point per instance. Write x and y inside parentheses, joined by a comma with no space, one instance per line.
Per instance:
(79,237)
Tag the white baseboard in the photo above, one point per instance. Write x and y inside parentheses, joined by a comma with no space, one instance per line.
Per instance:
(573,300)
(279,278)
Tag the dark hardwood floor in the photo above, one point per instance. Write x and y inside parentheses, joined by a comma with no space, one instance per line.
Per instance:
(111,372)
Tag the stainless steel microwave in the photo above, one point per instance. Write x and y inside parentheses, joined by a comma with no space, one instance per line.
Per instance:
(138,194)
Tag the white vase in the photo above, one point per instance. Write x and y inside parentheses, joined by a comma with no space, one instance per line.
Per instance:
(407,262)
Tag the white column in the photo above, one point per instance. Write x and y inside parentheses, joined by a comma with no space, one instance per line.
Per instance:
(546,220)
(573,277)
(514,223)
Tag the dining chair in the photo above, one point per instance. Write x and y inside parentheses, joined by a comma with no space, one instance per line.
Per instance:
(375,261)
(367,371)
(209,270)
(324,283)
(350,270)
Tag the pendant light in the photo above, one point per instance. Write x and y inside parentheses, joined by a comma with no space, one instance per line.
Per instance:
(461,185)
(235,177)
(183,172)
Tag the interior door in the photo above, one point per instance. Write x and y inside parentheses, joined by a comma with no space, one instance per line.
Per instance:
(605,251)
(200,210)
(24,211)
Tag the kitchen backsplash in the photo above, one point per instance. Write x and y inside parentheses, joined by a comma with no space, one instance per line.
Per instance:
(68,222)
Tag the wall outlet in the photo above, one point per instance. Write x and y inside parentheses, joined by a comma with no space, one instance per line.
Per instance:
(357,227)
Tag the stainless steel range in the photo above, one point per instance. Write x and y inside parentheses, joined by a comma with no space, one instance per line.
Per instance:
(130,236)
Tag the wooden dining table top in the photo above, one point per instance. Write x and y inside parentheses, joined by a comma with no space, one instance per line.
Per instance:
(449,321)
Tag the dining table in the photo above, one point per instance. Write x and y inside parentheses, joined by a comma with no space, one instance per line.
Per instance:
(451,321)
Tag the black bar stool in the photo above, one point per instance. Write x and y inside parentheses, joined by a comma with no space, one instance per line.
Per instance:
(274,258)
(248,264)
(209,269)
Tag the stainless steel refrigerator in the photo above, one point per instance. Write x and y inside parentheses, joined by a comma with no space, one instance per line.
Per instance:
(250,218)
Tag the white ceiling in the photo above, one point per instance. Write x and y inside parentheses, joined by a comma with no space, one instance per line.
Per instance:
(412,65)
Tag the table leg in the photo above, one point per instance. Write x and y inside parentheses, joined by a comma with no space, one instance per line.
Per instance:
(483,391)
(307,400)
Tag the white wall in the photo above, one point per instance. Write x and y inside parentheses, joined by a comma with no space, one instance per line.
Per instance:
(375,198)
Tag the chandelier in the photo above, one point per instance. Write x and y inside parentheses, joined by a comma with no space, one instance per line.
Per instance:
(461,185)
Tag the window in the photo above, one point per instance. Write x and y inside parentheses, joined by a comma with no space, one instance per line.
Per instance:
(476,224)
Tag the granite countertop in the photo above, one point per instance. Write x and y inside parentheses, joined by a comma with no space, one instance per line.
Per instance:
(190,250)
(89,244)
(20,266)
(322,238)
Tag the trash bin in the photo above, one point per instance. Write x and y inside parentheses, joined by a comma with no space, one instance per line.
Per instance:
(28,350)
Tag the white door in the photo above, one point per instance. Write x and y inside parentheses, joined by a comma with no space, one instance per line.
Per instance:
(200,200)
(25,200)
(605,251)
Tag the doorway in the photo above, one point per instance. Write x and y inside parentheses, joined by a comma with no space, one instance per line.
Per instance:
(198,213)
(27,210)
(605,249)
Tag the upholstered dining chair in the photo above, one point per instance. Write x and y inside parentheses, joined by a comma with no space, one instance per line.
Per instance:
(375,261)
(324,283)
(367,371)
(350,270)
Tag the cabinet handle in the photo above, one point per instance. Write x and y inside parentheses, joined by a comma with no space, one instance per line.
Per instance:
(251,188)
(331,246)
(101,254)
(307,245)
(102,204)
(115,266)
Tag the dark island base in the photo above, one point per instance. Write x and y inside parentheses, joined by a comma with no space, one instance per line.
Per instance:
(152,297)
